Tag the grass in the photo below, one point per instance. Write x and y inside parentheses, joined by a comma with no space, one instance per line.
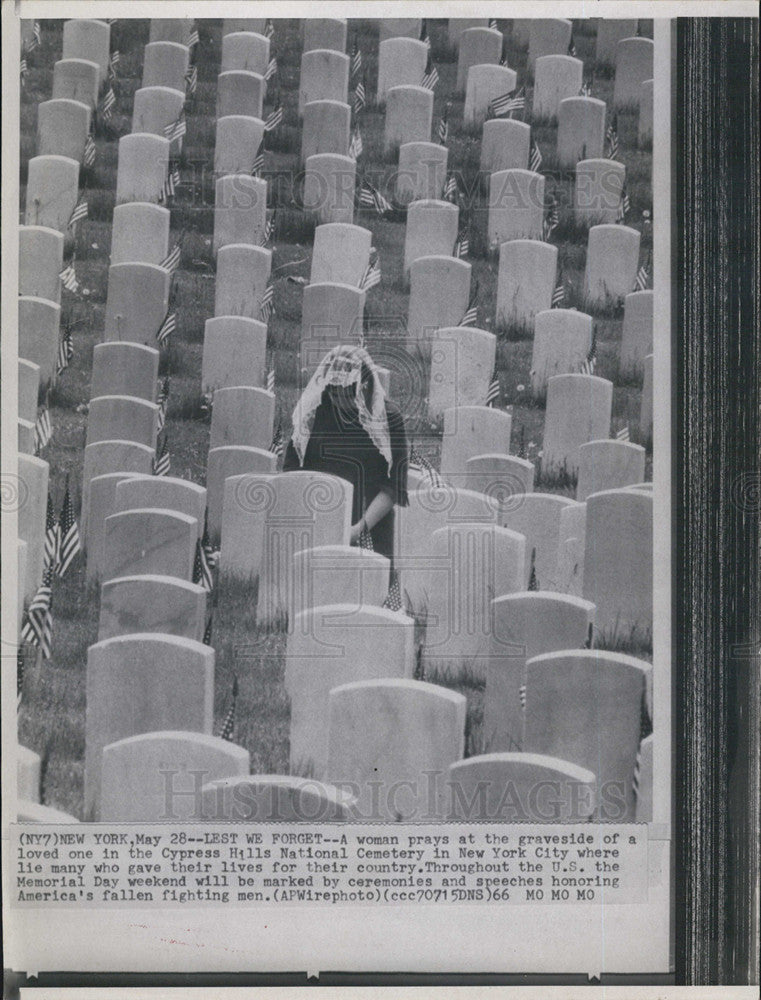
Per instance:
(51,720)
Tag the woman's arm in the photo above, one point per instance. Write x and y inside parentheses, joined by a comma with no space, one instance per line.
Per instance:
(375,512)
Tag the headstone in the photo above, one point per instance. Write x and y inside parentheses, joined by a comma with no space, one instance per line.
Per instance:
(393,741)
(33,812)
(470,564)
(155,108)
(584,707)
(163,492)
(242,415)
(157,777)
(234,351)
(516,206)
(618,562)
(276,798)
(39,324)
(521,31)
(422,171)
(101,504)
(612,259)
(537,517)
(231,460)
(323,652)
(439,294)
(140,233)
(526,281)
(581,130)
(329,182)
(430,509)
(240,210)
(245,50)
(148,540)
(578,410)
(646,406)
(129,284)
(143,683)
(462,364)
(88,39)
(77,80)
(243,272)
(338,574)
(27,774)
(598,191)
(112,456)
(610,31)
(432,228)
(246,501)
(164,604)
(505,145)
(28,389)
(124,370)
(456,27)
(325,33)
(401,63)
(340,254)
(477,46)
(240,92)
(472,430)
(525,625)
(308,509)
(233,24)
(331,314)
(134,419)
(237,143)
(637,335)
(171,29)
(520,788)
(547,37)
(52,189)
(165,64)
(485,83)
(142,167)
(399,27)
(26,436)
(573,530)
(31,505)
(555,78)
(634,65)
(40,262)
(409,115)
(62,128)
(645,122)
(325,129)
(324,77)
(643,812)
(562,338)
(609,465)
(504,477)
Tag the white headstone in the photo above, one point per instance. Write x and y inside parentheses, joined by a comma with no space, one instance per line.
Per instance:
(598,191)
(399,27)
(462,364)
(40,262)
(28,389)
(472,430)
(234,351)
(240,210)
(422,171)
(555,78)
(578,410)
(324,33)
(505,144)
(338,574)
(243,272)
(610,31)
(155,109)
(329,182)
(132,418)
(112,456)
(240,92)
(609,465)
(52,190)
(547,37)
(275,798)
(246,500)
(77,80)
(505,478)
(637,335)
(431,231)
(485,83)
(165,64)
(27,774)
(537,517)
(562,338)
(231,460)
(30,504)
(581,130)
(245,50)
(331,314)
(237,143)
(634,65)
(324,77)
(147,603)
(142,167)
(171,29)
(39,325)
(101,504)
(409,116)
(165,492)
(401,62)
(612,259)
(88,39)
(140,233)
(149,540)
(325,129)
(516,206)
(242,415)
(439,294)
(62,128)
(477,46)
(456,26)
(128,284)
(340,253)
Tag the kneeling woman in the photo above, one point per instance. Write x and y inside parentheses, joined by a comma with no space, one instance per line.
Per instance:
(344,425)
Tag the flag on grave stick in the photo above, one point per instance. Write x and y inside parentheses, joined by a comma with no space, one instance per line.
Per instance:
(431,75)
(370,197)
(623,205)
(462,244)
(360,96)
(551,218)
(507,103)
(424,33)
(269,228)
(228,726)
(258,165)
(493,23)
(571,46)
(623,434)
(172,260)
(79,213)
(43,429)
(171,182)
(277,446)
(451,190)
(372,275)
(52,545)
(492,393)
(70,543)
(586,87)
(442,131)
(191,81)
(194,37)
(19,676)
(36,38)
(611,134)
(161,463)
(207,632)
(90,151)
(273,119)
(356,58)
(211,554)
(420,463)
(271,69)
(68,276)
(202,574)
(271,380)
(643,274)
(106,104)
(163,404)
(37,627)
(558,294)
(176,130)
(356,146)
(267,307)
(533,583)
(113,62)
(65,350)
(167,328)
(534,156)
(269,28)
(589,363)
(471,313)
(23,70)
(366,538)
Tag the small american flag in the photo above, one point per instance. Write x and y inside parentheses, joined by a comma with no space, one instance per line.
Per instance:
(194,38)
(65,350)
(212,555)
(269,229)
(451,189)
(418,461)
(571,46)
(558,295)
(70,543)
(277,445)
(471,313)
(534,156)
(271,69)
(273,119)
(23,70)
(360,97)
(176,130)
(431,75)
(207,632)
(393,600)
(202,574)
(462,244)
(258,165)
(52,537)
(267,307)
(507,103)
(271,380)
(370,197)
(228,726)
(36,38)
(493,23)
(356,146)
(172,260)
(106,105)
(443,129)
(79,213)
(643,274)
(492,393)
(269,28)
(167,328)
(162,463)
(533,583)
(372,275)
(191,80)
(424,33)
(163,404)
(171,183)
(623,206)
(90,151)
(68,277)
(37,627)
(113,62)
(551,218)
(356,57)
(522,696)
(43,430)
(611,135)
(589,363)
(623,434)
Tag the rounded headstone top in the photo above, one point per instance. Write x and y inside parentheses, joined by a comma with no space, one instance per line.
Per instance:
(334,613)
(610,442)
(317,158)
(154,638)
(544,596)
(322,101)
(37,298)
(573,101)
(578,377)
(239,119)
(601,161)
(613,227)
(157,578)
(592,656)
(240,72)
(56,158)
(409,88)
(572,771)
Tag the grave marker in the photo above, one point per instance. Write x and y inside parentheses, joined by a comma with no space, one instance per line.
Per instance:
(472,430)
(610,31)
(324,33)
(134,419)
(555,78)
(645,122)
(142,167)
(325,129)
(476,47)
(401,63)
(422,172)
(102,503)
(485,83)
(146,603)
(609,465)
(243,272)
(149,540)
(324,77)
(340,254)
(230,460)
(637,335)
(240,210)
(612,260)
(329,183)
(76,80)
(331,314)
(504,477)
(240,92)
(242,415)
(505,144)
(52,190)
(90,40)
(234,351)
(245,50)
(431,231)
(246,501)
(164,492)
(28,389)
(598,191)
(537,517)
(62,128)
(124,369)
(581,130)
(547,37)
(439,294)
(39,324)
(562,339)
(578,410)
(40,262)
(237,143)
(337,574)
(462,364)
(409,115)
(399,27)
(129,283)
(112,456)
(155,108)
(140,233)
(634,65)
(165,64)
(33,474)
(516,206)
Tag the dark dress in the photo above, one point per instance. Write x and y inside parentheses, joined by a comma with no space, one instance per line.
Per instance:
(340,446)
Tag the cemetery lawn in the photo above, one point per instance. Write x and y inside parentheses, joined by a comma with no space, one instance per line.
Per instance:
(52,715)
